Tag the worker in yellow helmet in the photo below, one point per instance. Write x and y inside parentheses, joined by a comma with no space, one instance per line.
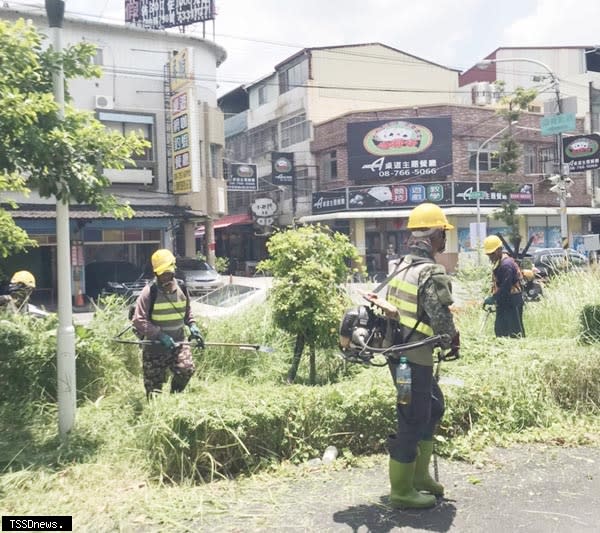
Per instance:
(22,284)
(161,313)
(507,292)
(422,292)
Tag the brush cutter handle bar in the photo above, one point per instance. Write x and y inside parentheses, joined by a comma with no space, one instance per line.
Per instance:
(241,345)
(394,350)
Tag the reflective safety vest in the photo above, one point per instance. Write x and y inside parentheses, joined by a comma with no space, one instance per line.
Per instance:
(403,292)
(168,312)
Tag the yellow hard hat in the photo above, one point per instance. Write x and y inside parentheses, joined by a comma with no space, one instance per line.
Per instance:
(163,261)
(491,243)
(24,277)
(428,216)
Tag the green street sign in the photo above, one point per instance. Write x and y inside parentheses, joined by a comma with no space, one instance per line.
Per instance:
(474,195)
(554,124)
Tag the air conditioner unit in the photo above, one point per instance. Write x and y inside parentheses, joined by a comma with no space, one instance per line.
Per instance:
(103,102)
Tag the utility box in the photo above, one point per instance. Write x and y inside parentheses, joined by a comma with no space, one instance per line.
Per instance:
(591,242)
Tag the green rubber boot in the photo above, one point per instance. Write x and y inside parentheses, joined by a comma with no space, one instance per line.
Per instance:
(423,480)
(403,494)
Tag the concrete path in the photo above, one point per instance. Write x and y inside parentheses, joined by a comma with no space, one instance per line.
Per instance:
(534,489)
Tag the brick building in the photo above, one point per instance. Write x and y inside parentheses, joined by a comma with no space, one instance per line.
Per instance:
(373,208)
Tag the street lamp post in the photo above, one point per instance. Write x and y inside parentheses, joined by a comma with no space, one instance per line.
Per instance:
(477,184)
(563,185)
(65,352)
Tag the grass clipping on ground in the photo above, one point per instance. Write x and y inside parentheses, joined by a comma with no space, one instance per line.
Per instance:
(132,462)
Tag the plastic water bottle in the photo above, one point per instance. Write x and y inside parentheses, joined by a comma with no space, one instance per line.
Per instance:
(403,382)
(330,454)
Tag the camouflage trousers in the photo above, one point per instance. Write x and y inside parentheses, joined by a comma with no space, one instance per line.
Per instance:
(156,362)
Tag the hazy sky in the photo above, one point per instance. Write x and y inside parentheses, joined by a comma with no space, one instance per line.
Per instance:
(258,34)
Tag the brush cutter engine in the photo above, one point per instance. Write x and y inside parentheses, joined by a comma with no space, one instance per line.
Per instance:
(360,330)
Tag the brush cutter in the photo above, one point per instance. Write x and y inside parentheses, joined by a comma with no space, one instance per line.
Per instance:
(141,342)
(240,345)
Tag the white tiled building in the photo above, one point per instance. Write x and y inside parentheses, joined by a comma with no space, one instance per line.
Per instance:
(134,94)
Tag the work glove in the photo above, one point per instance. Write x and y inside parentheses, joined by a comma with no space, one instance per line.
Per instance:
(490,300)
(167,341)
(196,335)
(454,351)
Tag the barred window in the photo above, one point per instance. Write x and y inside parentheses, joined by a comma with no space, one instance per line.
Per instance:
(262,140)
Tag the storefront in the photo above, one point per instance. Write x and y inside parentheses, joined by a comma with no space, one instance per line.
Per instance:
(373,231)
(94,237)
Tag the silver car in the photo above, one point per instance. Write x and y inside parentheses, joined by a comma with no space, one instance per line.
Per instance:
(200,278)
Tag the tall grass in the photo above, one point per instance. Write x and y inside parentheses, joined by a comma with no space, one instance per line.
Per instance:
(237,415)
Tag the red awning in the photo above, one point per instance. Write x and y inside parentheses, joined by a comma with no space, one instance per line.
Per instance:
(225,222)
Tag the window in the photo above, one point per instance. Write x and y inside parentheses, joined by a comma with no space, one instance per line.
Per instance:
(216,158)
(262,140)
(262,94)
(329,170)
(98,57)
(488,156)
(294,130)
(530,165)
(126,123)
(293,76)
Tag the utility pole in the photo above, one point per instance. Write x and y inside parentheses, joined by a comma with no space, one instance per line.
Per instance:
(564,182)
(65,353)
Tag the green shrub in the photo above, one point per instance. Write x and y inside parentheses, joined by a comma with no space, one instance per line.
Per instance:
(589,320)
(28,356)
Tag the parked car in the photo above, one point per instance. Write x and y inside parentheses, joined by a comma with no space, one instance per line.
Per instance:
(114,277)
(200,278)
(552,261)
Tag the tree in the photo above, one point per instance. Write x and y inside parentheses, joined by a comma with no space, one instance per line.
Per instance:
(509,156)
(61,158)
(309,266)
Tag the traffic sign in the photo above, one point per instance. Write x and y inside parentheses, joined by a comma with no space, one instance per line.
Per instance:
(554,124)
(474,195)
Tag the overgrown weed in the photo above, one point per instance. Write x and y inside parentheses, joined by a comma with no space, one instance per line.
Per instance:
(238,418)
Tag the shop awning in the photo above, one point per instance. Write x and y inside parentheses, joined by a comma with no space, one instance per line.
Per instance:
(225,222)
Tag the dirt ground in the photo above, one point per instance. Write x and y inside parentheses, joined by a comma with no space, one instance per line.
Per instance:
(535,489)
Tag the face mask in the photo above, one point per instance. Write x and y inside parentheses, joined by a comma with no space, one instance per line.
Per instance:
(165,278)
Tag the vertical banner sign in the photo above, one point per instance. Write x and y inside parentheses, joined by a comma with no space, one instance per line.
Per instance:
(582,152)
(182,161)
(399,149)
(185,146)
(181,69)
(282,168)
(242,178)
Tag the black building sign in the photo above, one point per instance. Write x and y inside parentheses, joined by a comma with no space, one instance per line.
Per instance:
(160,14)
(582,152)
(242,177)
(465,193)
(397,149)
(328,201)
(282,168)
